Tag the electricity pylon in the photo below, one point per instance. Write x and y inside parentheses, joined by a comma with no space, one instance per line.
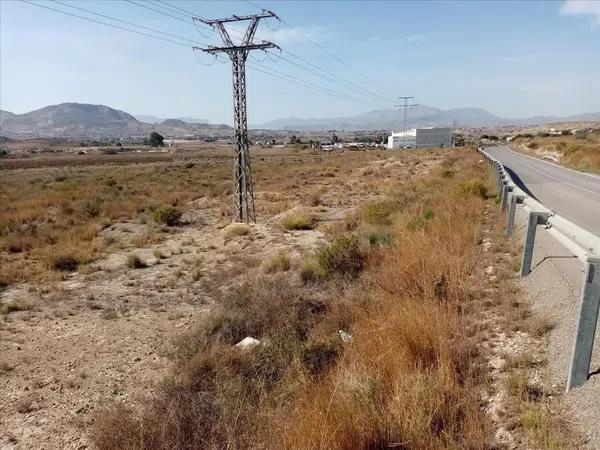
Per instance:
(243,194)
(405,106)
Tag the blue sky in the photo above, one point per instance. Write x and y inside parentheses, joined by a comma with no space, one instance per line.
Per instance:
(516,59)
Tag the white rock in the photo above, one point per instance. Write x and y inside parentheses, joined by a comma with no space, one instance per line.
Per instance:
(346,337)
(247,343)
(489,270)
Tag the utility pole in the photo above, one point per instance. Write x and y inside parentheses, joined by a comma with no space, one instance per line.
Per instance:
(454,123)
(243,194)
(405,106)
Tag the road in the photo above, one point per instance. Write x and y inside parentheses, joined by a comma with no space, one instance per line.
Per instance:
(572,194)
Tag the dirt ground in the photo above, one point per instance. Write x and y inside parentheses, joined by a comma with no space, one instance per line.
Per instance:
(103,334)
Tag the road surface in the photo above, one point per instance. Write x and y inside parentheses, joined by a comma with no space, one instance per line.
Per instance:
(572,194)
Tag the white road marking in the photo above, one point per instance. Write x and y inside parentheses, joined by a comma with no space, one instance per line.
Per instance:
(535,169)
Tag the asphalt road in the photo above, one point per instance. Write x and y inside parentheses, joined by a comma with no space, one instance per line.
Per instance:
(572,194)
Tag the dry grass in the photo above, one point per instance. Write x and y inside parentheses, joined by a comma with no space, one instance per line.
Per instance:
(236,229)
(408,378)
(298,220)
(580,151)
(61,205)
(280,262)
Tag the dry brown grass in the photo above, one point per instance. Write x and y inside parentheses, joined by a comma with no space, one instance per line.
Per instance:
(408,378)
(580,151)
(60,205)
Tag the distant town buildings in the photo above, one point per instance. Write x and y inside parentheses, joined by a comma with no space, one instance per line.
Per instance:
(420,138)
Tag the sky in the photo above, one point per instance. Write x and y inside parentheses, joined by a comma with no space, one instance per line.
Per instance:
(515,59)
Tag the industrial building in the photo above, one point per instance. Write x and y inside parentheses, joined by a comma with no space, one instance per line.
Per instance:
(421,137)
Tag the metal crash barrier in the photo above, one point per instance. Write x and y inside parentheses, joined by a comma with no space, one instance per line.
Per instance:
(583,244)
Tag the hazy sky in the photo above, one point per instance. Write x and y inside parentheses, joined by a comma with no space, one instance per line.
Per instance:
(515,59)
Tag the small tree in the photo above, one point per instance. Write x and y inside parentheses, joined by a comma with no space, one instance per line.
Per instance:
(156,140)
(334,138)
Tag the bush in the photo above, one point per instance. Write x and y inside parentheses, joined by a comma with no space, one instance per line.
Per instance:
(533,145)
(135,262)
(91,207)
(380,238)
(318,355)
(474,186)
(236,229)
(298,220)
(64,262)
(168,215)
(310,270)
(278,263)
(343,256)
(415,224)
(377,212)
(313,199)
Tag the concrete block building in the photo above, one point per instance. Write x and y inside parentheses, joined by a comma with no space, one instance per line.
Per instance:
(421,138)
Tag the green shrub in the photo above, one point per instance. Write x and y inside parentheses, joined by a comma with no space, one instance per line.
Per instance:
(167,215)
(474,186)
(298,220)
(380,238)
(343,256)
(428,213)
(415,224)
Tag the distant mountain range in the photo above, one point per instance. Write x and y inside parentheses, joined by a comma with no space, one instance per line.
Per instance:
(84,121)
(154,119)
(418,116)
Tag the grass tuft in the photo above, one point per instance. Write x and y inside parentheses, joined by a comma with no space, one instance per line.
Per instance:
(298,220)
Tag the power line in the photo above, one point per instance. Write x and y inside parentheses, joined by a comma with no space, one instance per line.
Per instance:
(125,22)
(334,76)
(256,66)
(332,80)
(106,23)
(300,82)
(312,41)
(141,5)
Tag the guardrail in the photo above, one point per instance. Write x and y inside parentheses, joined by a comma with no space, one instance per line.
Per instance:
(584,245)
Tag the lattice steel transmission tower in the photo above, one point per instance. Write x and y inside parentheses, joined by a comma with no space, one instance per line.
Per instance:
(405,106)
(243,195)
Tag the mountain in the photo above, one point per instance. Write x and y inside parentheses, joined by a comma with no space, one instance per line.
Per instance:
(417,116)
(154,119)
(81,121)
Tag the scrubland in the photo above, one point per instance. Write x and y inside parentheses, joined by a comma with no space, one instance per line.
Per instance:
(580,151)
(394,275)
(363,280)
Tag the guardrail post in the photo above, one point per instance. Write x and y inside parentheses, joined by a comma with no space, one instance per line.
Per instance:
(586,328)
(514,199)
(505,192)
(535,218)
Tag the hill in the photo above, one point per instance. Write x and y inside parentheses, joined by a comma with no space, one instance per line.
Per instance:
(418,116)
(81,121)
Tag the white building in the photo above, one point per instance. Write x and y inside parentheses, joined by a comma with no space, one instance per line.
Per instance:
(421,137)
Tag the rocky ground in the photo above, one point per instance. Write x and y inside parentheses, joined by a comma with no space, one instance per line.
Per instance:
(103,334)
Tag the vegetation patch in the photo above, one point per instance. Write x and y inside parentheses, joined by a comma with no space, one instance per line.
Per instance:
(280,262)
(298,220)
(167,215)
